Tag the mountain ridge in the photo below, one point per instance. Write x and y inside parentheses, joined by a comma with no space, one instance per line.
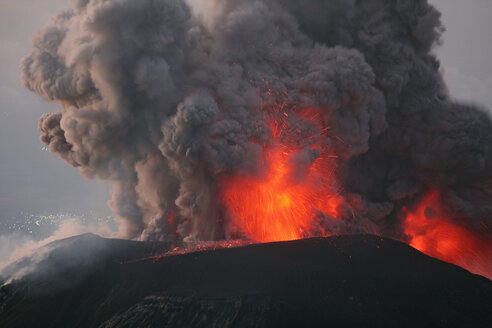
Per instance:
(345,281)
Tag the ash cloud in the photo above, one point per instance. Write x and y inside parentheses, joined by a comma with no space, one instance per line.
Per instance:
(165,101)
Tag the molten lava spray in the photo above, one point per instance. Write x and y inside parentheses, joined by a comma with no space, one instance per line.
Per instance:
(267,120)
(297,189)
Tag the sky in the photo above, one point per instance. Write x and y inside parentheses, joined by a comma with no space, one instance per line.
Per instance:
(36,182)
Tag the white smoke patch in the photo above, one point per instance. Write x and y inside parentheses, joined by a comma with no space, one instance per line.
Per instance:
(206,10)
(15,246)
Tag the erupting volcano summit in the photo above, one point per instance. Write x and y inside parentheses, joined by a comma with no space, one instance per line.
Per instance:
(268,120)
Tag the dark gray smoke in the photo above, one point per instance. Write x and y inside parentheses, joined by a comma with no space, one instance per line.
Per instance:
(165,103)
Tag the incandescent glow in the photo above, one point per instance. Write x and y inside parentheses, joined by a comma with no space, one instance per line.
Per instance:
(288,201)
(282,204)
(432,233)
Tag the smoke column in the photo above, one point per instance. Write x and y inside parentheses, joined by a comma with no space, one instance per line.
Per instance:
(264,120)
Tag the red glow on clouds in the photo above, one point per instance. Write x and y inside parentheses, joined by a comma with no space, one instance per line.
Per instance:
(434,234)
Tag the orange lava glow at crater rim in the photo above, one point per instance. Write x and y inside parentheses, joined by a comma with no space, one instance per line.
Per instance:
(283,204)
(277,208)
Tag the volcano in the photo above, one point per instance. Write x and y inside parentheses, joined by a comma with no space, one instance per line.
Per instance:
(343,281)
(268,121)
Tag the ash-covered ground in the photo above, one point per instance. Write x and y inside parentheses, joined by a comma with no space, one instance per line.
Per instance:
(345,281)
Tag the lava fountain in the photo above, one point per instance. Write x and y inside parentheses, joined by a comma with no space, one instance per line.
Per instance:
(288,201)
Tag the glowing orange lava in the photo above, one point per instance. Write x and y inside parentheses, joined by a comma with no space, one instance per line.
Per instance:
(435,235)
(279,206)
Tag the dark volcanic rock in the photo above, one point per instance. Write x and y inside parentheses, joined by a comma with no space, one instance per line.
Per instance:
(346,281)
(168,311)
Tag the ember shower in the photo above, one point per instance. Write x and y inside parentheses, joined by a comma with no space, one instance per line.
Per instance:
(268,120)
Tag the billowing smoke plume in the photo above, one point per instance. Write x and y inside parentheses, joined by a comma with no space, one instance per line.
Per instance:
(168,102)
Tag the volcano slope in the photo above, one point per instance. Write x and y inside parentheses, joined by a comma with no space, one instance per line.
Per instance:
(345,281)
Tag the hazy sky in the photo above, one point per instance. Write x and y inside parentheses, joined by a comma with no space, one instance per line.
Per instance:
(35,181)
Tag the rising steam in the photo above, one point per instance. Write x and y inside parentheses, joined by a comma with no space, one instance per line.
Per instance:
(219,119)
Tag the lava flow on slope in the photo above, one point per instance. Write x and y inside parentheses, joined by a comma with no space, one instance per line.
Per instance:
(432,233)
